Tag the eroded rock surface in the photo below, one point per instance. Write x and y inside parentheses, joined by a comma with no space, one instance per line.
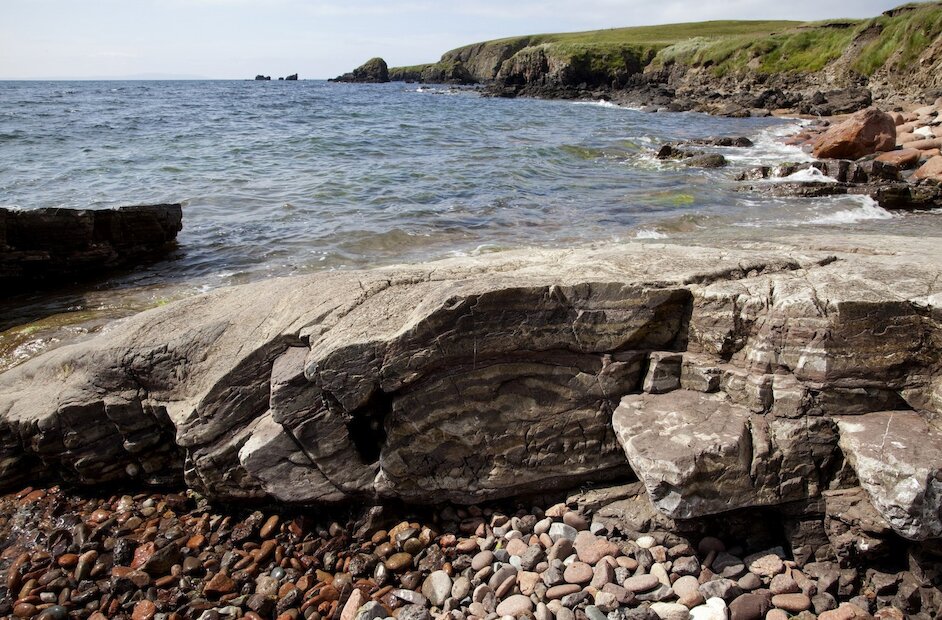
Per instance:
(471,379)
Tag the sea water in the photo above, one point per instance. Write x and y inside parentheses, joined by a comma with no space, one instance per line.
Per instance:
(280,178)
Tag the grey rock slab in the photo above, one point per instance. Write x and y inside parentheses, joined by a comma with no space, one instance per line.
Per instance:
(898,458)
(692,451)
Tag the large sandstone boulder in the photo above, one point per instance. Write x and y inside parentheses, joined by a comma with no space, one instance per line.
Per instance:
(717,376)
(866,132)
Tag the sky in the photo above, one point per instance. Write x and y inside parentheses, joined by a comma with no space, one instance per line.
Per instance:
(233,39)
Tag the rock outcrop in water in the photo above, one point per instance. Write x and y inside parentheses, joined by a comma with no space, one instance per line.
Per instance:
(373,71)
(791,376)
(59,245)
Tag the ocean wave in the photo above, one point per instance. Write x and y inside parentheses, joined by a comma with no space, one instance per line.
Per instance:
(646,233)
(769,147)
(809,175)
(869,209)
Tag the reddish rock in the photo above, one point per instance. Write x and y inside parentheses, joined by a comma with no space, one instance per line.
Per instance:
(142,554)
(932,169)
(902,159)
(866,132)
(897,118)
(143,610)
(846,611)
(925,144)
(220,584)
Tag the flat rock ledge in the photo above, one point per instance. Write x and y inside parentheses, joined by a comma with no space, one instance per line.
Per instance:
(59,245)
(805,373)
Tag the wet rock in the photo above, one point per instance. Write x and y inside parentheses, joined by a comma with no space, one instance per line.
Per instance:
(866,132)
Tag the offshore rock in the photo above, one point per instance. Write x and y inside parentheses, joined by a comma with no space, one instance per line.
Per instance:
(373,71)
(56,245)
(471,379)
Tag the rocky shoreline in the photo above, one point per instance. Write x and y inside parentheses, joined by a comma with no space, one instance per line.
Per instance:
(172,556)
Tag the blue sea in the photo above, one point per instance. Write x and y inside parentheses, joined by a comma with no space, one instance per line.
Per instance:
(281,178)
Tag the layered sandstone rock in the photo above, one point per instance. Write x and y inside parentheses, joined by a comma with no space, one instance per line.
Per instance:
(735,377)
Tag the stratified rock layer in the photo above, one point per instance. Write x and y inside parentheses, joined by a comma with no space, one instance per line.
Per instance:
(472,379)
(54,245)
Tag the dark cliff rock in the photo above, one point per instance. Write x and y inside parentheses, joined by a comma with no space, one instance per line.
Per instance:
(292,78)
(373,71)
(45,246)
(262,78)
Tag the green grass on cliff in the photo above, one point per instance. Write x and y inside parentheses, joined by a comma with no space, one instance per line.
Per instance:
(894,40)
(897,39)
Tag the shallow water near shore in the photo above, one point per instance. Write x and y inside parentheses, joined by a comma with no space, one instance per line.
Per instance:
(281,178)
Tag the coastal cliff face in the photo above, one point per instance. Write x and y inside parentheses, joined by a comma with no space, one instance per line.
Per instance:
(721,379)
(719,67)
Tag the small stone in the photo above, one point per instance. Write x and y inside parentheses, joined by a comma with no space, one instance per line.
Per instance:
(561,530)
(413,612)
(715,609)
(143,610)
(749,607)
(646,542)
(641,583)
(687,589)
(399,562)
(437,588)
(219,584)
(516,605)
(516,547)
(606,601)
(558,592)
(749,582)
(767,565)
(593,612)
(56,612)
(357,599)
(670,611)
(527,582)
(482,559)
(591,548)
(24,610)
(729,566)
(371,611)
(660,572)
(776,614)
(793,603)
(687,565)
(268,528)
(576,521)
(461,588)
(578,572)
(846,611)
(783,584)
(725,589)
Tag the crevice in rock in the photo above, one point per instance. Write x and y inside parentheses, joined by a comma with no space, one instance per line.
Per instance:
(367,429)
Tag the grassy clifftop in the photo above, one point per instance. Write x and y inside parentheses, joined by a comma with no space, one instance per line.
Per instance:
(892,41)
(895,39)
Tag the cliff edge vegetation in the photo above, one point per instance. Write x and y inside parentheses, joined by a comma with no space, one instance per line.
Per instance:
(894,56)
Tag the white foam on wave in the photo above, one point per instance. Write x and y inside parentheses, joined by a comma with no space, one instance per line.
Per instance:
(809,175)
(869,209)
(646,233)
(602,103)
(769,147)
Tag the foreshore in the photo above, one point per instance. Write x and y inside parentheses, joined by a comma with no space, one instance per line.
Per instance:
(736,387)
